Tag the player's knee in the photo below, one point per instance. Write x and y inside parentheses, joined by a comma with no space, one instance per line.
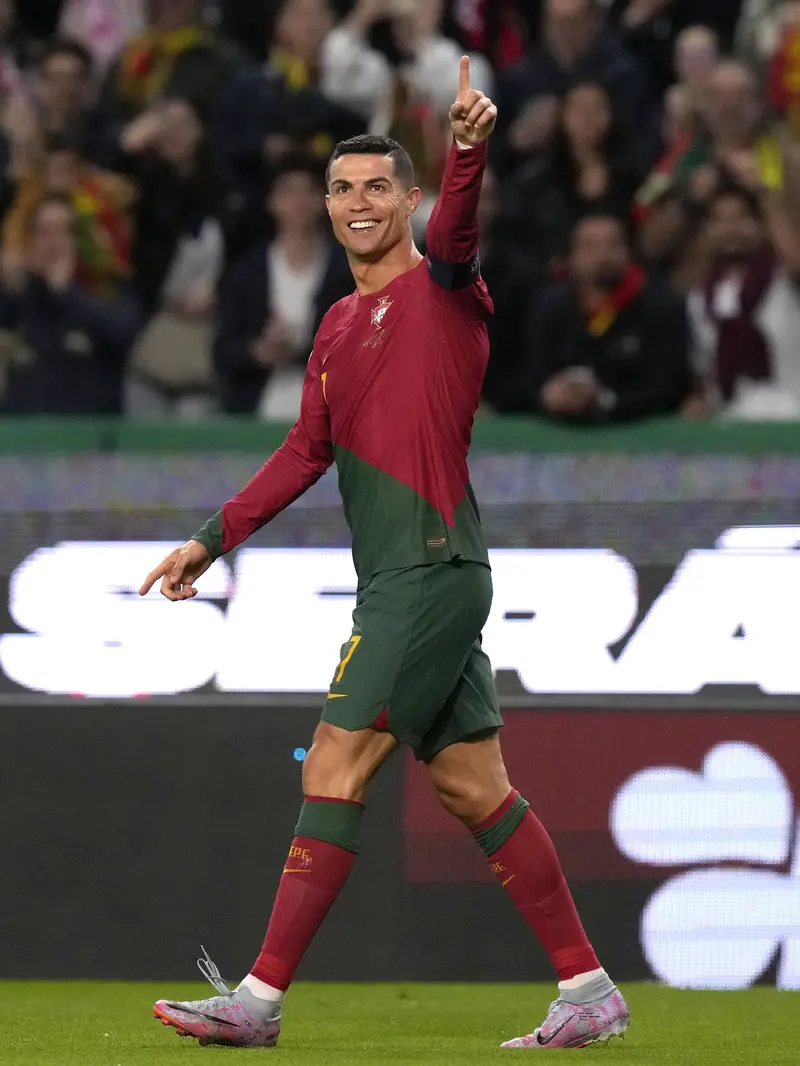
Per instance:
(469,801)
(339,763)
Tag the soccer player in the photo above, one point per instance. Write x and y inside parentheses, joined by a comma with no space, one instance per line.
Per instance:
(390,393)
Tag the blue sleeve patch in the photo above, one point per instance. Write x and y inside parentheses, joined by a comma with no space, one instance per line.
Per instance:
(452,276)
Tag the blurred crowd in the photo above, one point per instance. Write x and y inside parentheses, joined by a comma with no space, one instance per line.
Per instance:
(165,249)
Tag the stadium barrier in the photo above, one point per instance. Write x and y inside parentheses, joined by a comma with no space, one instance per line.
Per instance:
(644,632)
(135,830)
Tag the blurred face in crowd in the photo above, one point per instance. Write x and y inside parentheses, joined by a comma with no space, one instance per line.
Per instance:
(51,237)
(180,135)
(696,56)
(599,255)
(571,28)
(64,84)
(302,26)
(732,106)
(295,201)
(414,21)
(62,171)
(733,230)
(587,116)
(369,206)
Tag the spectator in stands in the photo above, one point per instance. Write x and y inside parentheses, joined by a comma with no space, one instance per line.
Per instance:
(273,299)
(187,220)
(733,123)
(760,28)
(310,51)
(67,349)
(695,59)
(176,55)
(513,276)
(576,46)
(678,129)
(651,27)
(746,316)
(103,27)
(498,29)
(611,343)
(102,203)
(783,75)
(589,168)
(63,99)
(317,88)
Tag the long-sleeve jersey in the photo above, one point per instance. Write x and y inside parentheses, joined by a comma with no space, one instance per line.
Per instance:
(390,394)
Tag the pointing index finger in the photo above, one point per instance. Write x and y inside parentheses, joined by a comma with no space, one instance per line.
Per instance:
(463,77)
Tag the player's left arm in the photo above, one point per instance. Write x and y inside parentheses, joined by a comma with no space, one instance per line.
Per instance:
(452,236)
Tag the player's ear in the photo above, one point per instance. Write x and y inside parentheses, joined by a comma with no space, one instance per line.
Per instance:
(328,203)
(413,198)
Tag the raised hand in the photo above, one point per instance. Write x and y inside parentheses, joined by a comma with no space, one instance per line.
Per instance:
(179,571)
(473,115)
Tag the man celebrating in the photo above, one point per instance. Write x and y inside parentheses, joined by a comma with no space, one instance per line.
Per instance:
(390,393)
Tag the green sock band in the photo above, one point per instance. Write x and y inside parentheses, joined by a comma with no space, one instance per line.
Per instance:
(333,821)
(492,839)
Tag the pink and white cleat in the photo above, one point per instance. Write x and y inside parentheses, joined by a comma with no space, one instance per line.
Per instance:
(235,1018)
(571,1026)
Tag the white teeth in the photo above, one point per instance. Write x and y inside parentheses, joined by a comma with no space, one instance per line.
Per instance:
(362,225)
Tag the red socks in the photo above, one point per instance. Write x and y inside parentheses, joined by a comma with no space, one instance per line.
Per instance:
(520,852)
(527,867)
(313,876)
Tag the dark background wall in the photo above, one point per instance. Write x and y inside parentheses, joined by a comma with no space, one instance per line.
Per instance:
(131,832)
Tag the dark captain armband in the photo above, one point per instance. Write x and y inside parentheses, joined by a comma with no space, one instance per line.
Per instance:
(453,276)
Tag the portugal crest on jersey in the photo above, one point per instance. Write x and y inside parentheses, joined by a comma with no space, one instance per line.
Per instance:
(378,312)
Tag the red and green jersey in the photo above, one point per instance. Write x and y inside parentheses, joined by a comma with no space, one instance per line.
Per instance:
(390,394)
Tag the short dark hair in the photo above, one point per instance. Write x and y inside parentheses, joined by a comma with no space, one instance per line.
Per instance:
(368,144)
(65,46)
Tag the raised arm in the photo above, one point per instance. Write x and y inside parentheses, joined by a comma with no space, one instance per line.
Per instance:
(452,236)
(300,461)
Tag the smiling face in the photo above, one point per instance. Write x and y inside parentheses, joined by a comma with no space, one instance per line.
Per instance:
(369,206)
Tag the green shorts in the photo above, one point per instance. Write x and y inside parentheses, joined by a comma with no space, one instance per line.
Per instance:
(414,664)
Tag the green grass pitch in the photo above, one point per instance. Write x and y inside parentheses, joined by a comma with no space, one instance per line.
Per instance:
(110,1024)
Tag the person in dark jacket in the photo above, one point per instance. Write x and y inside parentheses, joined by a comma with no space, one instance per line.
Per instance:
(610,344)
(176,55)
(63,100)
(63,350)
(576,46)
(589,168)
(183,189)
(272,300)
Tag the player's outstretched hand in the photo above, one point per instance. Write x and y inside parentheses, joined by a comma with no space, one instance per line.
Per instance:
(473,115)
(179,571)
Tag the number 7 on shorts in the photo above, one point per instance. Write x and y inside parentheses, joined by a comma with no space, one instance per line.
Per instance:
(354,641)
